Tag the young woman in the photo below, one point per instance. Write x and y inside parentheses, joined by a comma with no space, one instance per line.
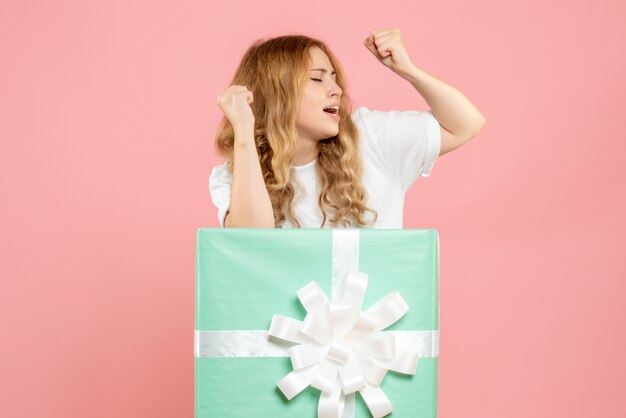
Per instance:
(295,153)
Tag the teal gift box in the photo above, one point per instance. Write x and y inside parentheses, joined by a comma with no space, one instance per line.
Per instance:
(248,277)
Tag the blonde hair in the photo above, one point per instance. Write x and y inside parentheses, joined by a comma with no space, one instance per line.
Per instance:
(276,72)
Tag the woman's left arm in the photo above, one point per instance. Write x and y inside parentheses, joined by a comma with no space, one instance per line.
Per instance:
(460,120)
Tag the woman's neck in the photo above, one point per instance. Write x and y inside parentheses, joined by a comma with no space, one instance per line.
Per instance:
(305,154)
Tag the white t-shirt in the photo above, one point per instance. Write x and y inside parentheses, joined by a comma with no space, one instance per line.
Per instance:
(396,147)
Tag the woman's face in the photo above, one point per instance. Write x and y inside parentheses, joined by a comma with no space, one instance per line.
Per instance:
(313,123)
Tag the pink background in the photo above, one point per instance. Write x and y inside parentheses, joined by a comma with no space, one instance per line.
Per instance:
(107,119)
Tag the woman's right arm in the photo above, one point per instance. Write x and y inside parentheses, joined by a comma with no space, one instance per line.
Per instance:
(250,205)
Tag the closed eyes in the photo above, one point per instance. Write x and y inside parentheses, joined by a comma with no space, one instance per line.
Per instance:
(317,79)
(323,71)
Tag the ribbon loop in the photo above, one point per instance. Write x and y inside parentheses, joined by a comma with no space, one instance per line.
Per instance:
(331,404)
(380,345)
(338,352)
(403,362)
(326,377)
(365,324)
(376,401)
(317,328)
(287,329)
(354,290)
(305,355)
(296,381)
(313,298)
(388,310)
(351,377)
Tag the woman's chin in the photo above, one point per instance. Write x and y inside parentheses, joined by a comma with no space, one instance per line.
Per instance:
(333,132)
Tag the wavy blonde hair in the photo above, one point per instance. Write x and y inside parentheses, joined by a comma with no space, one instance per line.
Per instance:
(276,71)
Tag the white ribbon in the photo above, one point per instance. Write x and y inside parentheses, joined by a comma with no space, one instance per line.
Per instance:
(256,343)
(338,348)
(342,349)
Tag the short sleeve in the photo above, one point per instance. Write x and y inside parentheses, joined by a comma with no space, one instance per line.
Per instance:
(409,141)
(220,183)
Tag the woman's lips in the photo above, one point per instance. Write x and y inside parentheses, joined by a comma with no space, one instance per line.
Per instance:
(333,115)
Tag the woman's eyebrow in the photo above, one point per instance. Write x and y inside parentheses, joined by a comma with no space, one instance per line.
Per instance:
(323,70)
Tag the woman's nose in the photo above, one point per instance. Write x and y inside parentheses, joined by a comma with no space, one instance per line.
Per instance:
(336,89)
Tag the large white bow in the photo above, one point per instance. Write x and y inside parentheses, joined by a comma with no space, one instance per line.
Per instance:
(341,349)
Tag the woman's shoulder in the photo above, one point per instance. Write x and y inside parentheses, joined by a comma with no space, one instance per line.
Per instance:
(370,121)
(381,126)
(358,113)
(220,175)
(221,169)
